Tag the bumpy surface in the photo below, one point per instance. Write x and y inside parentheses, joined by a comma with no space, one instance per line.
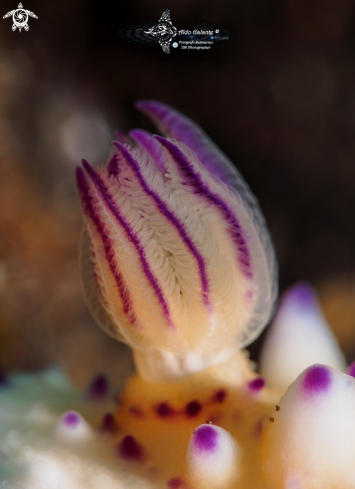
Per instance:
(177,262)
(54,435)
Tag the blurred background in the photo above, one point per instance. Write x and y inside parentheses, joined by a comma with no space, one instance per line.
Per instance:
(279,100)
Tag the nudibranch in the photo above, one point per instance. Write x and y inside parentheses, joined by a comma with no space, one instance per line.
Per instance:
(177,262)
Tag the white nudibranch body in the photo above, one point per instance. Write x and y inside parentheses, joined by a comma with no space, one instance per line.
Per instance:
(297,338)
(212,458)
(177,261)
(311,443)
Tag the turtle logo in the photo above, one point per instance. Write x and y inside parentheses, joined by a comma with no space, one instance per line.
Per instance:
(20,17)
(164,31)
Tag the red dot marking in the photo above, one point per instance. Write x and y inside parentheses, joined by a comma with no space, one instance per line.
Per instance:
(130,449)
(164,410)
(193,408)
(109,424)
(174,483)
(220,395)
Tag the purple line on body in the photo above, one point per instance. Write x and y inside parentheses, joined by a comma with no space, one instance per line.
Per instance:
(174,221)
(133,238)
(200,188)
(83,188)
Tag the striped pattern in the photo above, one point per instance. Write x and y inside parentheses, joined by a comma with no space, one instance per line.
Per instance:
(182,261)
(193,180)
(102,232)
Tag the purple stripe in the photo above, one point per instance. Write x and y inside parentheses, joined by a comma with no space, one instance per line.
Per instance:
(174,221)
(176,125)
(200,188)
(122,137)
(86,200)
(151,146)
(111,205)
(112,167)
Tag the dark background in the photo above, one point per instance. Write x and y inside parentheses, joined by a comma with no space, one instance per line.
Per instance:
(279,100)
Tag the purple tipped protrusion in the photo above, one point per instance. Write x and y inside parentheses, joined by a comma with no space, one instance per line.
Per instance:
(205,438)
(151,146)
(351,369)
(98,388)
(71,419)
(130,449)
(317,379)
(302,295)
(257,384)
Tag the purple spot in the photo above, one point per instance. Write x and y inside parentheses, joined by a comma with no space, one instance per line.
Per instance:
(174,483)
(164,410)
(351,369)
(193,408)
(109,424)
(220,395)
(303,294)
(205,438)
(257,384)
(98,388)
(317,379)
(130,449)
(71,418)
